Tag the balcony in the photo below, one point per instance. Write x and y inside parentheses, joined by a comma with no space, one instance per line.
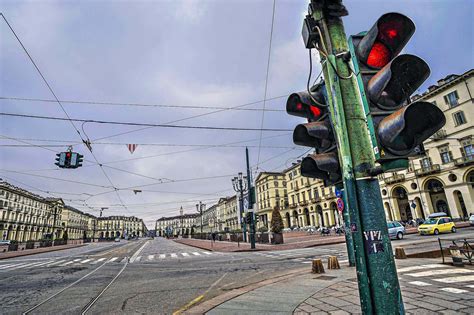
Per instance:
(465,160)
(316,199)
(293,205)
(307,184)
(303,203)
(296,188)
(439,135)
(330,195)
(427,170)
(394,179)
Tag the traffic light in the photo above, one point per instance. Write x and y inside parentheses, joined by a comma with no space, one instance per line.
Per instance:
(67,161)
(60,159)
(386,81)
(317,133)
(76,160)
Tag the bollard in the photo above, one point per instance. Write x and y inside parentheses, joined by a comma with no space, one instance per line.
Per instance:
(400,253)
(456,255)
(333,263)
(317,266)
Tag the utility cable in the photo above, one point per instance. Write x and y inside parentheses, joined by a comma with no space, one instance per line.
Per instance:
(266,81)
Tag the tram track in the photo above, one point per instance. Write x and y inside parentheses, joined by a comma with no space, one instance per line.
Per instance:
(93,300)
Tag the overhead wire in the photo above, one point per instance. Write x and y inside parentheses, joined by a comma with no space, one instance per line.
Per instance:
(58,101)
(236,108)
(266,81)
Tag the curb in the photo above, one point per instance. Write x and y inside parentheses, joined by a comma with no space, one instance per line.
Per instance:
(208,305)
(28,253)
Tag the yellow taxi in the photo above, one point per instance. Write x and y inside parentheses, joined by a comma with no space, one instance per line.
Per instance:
(436,226)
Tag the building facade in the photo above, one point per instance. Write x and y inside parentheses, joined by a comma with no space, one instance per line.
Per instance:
(121,226)
(75,223)
(442,180)
(27,216)
(184,224)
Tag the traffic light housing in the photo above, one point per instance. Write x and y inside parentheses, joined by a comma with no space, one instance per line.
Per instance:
(60,159)
(76,160)
(317,133)
(386,82)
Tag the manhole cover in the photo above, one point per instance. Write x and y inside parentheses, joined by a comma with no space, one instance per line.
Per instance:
(325,277)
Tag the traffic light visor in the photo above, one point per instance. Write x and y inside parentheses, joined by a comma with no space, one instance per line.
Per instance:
(385,39)
(315,134)
(408,127)
(395,82)
(300,104)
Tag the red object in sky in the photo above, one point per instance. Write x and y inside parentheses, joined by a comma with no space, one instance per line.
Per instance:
(132,147)
(379,55)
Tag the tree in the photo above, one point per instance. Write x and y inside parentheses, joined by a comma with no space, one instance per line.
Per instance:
(277,221)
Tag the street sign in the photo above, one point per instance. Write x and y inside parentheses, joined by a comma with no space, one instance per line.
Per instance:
(340,204)
(413,205)
(338,193)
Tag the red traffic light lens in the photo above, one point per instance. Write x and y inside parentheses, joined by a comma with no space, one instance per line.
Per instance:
(315,111)
(299,106)
(68,154)
(379,55)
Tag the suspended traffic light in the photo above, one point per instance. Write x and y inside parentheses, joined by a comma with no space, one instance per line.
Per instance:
(386,82)
(67,162)
(76,160)
(317,133)
(60,159)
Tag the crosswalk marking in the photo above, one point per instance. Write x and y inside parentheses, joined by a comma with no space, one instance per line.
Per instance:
(151,257)
(66,263)
(26,265)
(422,267)
(470,286)
(207,253)
(55,263)
(138,259)
(185,254)
(113,259)
(453,290)
(6,266)
(439,272)
(420,283)
(84,261)
(456,279)
(162,256)
(97,261)
(196,254)
(76,260)
(41,264)
(173,255)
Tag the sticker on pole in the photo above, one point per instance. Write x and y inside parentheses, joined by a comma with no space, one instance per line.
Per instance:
(373,242)
(340,204)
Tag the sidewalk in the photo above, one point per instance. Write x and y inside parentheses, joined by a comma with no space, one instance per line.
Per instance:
(224,246)
(26,252)
(428,287)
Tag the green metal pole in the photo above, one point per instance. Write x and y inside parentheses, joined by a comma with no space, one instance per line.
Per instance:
(384,287)
(250,191)
(345,160)
(347,230)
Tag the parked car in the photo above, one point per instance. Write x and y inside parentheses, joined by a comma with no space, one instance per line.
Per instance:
(286,230)
(437,215)
(117,239)
(471,219)
(5,242)
(395,230)
(436,226)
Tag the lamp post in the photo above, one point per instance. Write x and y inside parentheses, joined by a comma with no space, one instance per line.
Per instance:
(199,207)
(239,183)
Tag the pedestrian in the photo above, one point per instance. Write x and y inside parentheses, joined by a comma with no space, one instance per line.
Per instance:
(213,236)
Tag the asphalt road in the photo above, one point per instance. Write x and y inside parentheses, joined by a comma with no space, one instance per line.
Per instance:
(148,276)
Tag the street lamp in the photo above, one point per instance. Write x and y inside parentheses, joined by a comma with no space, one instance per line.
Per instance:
(239,183)
(199,207)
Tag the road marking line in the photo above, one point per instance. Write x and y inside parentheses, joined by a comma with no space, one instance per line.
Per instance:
(67,263)
(196,254)
(56,262)
(185,254)
(162,256)
(439,272)
(151,257)
(26,265)
(41,264)
(306,262)
(207,253)
(113,259)
(135,255)
(420,283)
(6,266)
(76,260)
(453,290)
(456,279)
(86,260)
(97,261)
(421,267)
(138,259)
(470,286)
(173,255)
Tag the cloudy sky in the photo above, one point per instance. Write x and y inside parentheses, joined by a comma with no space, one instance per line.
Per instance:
(181,53)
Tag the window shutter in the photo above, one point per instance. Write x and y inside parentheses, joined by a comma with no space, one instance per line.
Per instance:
(450,156)
(456,94)
(446,99)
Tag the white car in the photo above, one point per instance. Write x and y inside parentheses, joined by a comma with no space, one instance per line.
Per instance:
(471,219)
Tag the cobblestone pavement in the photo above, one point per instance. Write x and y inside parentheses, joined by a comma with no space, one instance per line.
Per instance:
(426,289)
